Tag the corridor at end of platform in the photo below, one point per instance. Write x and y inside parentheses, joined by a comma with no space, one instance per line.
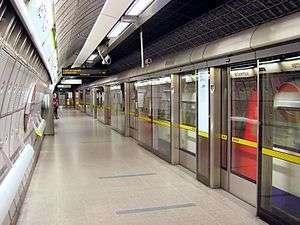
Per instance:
(88,174)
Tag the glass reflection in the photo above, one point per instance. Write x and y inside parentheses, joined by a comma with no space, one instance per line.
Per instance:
(188,111)
(161,104)
(244,122)
(280,173)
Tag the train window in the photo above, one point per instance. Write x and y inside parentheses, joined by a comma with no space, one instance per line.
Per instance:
(188,111)
(280,135)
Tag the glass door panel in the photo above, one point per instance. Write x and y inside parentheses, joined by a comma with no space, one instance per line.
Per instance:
(243,133)
(145,113)
(114,106)
(188,117)
(244,124)
(133,110)
(161,108)
(117,107)
(280,134)
(101,109)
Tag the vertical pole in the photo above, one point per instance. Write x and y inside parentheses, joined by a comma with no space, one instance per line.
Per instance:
(50,118)
(127,109)
(84,100)
(142,49)
(175,118)
(94,92)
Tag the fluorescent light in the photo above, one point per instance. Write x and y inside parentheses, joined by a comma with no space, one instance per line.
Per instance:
(270,61)
(242,68)
(118,29)
(292,58)
(138,7)
(64,86)
(92,57)
(71,81)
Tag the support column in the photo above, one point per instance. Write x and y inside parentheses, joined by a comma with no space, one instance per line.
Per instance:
(49,130)
(215,124)
(84,100)
(127,109)
(106,105)
(94,102)
(175,119)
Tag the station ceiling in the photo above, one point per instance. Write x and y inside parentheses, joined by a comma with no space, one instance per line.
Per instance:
(182,24)
(74,21)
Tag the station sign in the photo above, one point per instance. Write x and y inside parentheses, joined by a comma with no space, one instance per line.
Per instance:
(64,86)
(83,72)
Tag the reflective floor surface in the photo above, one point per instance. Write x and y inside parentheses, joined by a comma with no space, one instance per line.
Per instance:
(88,174)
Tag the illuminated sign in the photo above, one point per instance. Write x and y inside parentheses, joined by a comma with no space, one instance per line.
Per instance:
(71,81)
(82,72)
(64,86)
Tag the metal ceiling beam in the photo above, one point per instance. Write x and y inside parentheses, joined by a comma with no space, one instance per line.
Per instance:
(111,13)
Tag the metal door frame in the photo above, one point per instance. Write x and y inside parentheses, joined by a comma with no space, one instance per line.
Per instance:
(236,185)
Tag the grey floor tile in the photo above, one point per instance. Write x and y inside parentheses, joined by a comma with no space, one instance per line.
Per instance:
(66,189)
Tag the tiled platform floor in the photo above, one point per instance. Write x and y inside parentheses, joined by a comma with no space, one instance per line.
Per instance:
(90,175)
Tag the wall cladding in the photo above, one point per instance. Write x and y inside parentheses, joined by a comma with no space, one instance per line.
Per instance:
(23,84)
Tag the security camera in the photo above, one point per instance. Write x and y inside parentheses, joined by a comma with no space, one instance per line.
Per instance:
(106,60)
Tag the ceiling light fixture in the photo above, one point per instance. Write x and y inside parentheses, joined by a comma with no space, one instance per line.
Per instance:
(292,58)
(269,61)
(118,29)
(138,7)
(92,57)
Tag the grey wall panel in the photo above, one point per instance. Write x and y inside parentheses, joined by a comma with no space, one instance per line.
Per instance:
(21,126)
(4,77)
(25,87)
(15,91)
(3,59)
(14,136)
(10,88)
(20,85)
(6,136)
(2,123)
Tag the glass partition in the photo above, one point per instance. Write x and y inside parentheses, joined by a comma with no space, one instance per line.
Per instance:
(279,190)
(244,122)
(161,108)
(100,104)
(188,112)
(133,110)
(117,107)
(144,104)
